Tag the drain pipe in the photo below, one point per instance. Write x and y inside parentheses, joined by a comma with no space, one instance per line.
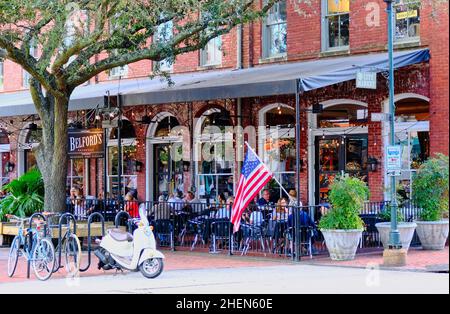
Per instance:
(239,141)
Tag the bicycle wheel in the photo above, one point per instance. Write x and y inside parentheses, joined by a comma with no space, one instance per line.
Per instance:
(13,256)
(72,251)
(43,259)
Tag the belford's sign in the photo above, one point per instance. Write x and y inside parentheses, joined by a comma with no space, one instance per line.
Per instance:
(86,143)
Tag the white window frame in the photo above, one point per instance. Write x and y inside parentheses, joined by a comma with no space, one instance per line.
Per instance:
(406,39)
(167,27)
(126,142)
(2,74)
(121,71)
(4,149)
(214,48)
(118,72)
(266,34)
(202,137)
(25,75)
(326,31)
(71,177)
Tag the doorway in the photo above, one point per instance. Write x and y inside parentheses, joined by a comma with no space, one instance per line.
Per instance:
(338,155)
(168,173)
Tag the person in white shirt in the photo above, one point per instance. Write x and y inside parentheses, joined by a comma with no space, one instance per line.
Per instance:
(256,218)
(224,211)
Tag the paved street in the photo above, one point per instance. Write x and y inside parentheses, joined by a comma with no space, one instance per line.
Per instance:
(243,277)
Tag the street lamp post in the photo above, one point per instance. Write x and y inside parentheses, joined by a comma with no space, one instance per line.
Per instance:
(394,236)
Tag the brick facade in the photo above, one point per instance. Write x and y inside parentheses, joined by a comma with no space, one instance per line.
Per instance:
(367,34)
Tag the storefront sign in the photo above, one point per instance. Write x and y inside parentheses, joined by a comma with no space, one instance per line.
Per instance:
(87,143)
(380,117)
(393,159)
(109,124)
(407,15)
(367,80)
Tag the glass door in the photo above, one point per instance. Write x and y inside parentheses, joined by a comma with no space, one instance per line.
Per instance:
(337,155)
(168,174)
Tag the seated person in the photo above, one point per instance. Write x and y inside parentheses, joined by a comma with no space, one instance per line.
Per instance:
(175,201)
(265,199)
(281,211)
(224,211)
(161,211)
(304,219)
(131,206)
(256,218)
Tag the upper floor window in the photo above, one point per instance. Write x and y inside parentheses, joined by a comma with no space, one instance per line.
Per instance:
(407,20)
(121,71)
(211,54)
(25,75)
(1,75)
(336,22)
(275,31)
(163,35)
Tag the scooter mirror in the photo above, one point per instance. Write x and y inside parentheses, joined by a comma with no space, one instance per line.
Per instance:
(142,215)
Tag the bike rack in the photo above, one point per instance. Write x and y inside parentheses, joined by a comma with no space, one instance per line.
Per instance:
(31,240)
(71,217)
(91,217)
(118,216)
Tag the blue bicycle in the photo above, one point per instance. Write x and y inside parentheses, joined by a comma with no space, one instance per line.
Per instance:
(32,244)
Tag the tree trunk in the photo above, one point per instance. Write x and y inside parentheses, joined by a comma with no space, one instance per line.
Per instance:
(51,154)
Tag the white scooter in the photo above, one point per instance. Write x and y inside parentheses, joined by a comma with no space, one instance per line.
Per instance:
(120,250)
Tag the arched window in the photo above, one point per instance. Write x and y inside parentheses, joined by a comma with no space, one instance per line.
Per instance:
(339,144)
(166,126)
(32,139)
(168,173)
(129,160)
(278,145)
(215,153)
(412,132)
(126,131)
(342,116)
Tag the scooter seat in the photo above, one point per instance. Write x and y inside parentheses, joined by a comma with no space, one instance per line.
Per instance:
(120,235)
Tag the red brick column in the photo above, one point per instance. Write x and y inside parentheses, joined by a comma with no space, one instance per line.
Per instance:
(439,79)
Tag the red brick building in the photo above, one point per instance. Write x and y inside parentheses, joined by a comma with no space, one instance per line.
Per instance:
(341,139)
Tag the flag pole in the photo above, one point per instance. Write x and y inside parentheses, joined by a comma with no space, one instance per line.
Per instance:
(273,177)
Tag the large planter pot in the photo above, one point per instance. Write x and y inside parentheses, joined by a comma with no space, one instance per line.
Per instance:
(342,244)
(406,230)
(432,234)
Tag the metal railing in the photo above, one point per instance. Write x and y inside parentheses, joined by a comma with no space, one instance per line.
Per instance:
(265,230)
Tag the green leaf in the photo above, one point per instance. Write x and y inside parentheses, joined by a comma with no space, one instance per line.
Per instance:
(347,197)
(430,188)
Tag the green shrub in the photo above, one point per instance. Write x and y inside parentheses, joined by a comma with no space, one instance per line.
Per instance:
(347,197)
(385,214)
(430,188)
(25,195)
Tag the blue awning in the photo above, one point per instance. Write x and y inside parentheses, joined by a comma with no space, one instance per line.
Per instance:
(267,80)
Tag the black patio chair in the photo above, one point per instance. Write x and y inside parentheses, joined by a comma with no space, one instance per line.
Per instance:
(163,229)
(252,233)
(196,228)
(220,231)
(370,234)
(306,236)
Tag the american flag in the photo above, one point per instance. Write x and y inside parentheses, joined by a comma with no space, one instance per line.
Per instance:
(255,175)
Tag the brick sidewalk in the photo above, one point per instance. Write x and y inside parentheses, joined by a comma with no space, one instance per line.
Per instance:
(417,260)
(174,261)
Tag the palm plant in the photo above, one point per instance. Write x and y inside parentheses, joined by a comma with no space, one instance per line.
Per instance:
(25,195)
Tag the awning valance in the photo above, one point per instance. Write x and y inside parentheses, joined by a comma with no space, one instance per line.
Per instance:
(268,80)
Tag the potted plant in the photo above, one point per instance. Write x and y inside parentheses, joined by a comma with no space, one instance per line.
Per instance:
(430,194)
(25,196)
(342,227)
(406,229)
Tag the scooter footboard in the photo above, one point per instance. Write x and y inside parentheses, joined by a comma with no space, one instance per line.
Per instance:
(148,254)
